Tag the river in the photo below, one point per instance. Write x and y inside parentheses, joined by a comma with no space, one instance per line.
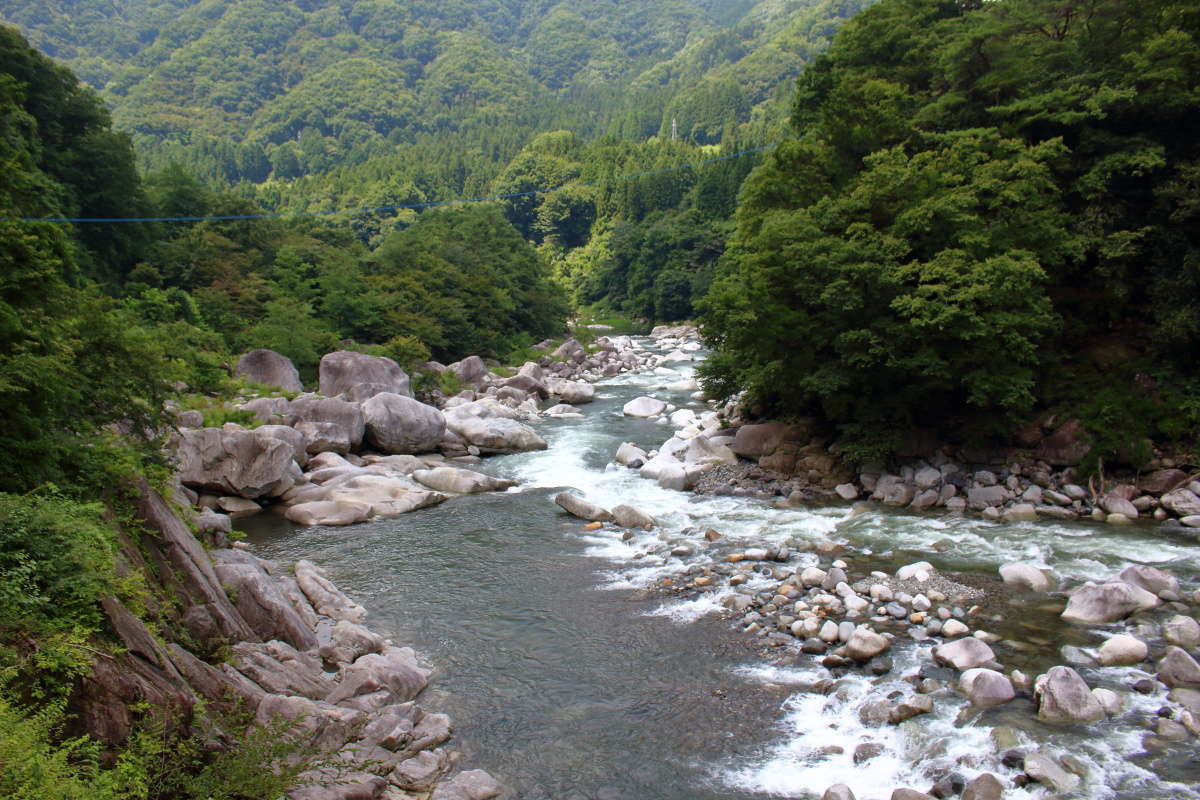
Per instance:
(570,676)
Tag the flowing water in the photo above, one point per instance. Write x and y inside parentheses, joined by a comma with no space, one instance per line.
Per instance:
(570,676)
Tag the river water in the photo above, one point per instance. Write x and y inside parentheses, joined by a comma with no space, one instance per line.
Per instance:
(570,676)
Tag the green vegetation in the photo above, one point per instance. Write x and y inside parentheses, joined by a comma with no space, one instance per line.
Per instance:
(986,208)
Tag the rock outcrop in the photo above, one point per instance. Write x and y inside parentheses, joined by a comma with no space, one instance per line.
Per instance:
(361,377)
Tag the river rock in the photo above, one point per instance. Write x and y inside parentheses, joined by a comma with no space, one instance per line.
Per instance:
(270,369)
(265,410)
(630,517)
(471,370)
(1151,579)
(1026,576)
(260,599)
(575,392)
(460,481)
(1182,632)
(839,791)
(349,640)
(398,424)
(328,512)
(473,784)
(235,462)
(702,450)
(1181,502)
(964,654)
(847,491)
(1163,481)
(864,644)
(981,497)
(630,455)
(1109,700)
(486,426)
(986,687)
(1047,772)
(644,407)
(394,670)
(1063,696)
(1021,512)
(1115,504)
(1178,669)
(326,599)
(386,495)
(1093,604)
(756,441)
(361,376)
(984,787)
(914,706)
(238,507)
(329,424)
(1122,650)
(576,506)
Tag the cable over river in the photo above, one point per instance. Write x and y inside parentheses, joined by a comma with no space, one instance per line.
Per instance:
(571,674)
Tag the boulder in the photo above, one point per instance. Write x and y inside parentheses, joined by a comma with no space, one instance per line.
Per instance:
(235,462)
(293,437)
(1178,669)
(1047,772)
(326,598)
(387,495)
(575,392)
(488,427)
(1122,650)
(1151,579)
(910,794)
(261,600)
(401,425)
(329,424)
(576,506)
(265,409)
(864,644)
(1163,481)
(1181,502)
(1095,604)
(756,441)
(473,784)
(269,369)
(334,513)
(644,407)
(471,370)
(964,654)
(1115,504)
(984,787)
(839,791)
(702,450)
(1182,632)
(846,491)
(981,497)
(349,640)
(361,376)
(567,350)
(630,517)
(1026,576)
(1062,696)
(394,670)
(1021,512)
(986,687)
(630,455)
(460,481)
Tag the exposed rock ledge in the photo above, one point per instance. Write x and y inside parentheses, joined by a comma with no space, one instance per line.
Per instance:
(295,649)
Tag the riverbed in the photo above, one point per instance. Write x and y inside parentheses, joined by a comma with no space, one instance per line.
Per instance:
(571,675)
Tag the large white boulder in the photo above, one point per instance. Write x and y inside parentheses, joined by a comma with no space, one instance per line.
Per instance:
(235,462)
(361,376)
(329,424)
(644,407)
(986,687)
(576,506)
(270,369)
(1063,696)
(964,654)
(397,424)
(1027,576)
(490,427)
(1097,604)
(460,481)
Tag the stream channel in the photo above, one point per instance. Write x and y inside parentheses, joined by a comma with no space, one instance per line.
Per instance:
(570,676)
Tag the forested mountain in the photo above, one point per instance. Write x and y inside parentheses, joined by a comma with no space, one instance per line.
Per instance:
(987,209)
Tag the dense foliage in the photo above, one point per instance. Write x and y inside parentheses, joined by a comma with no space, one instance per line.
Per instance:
(987,207)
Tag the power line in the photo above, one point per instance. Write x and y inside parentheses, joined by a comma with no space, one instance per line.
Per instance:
(411,206)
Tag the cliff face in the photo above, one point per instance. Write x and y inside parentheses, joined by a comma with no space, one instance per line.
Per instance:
(235,631)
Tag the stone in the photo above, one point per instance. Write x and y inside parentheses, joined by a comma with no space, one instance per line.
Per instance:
(984,787)
(1163,481)
(702,450)
(575,392)
(471,370)
(1063,696)
(864,644)
(644,407)
(981,497)
(910,794)
(630,517)
(1122,650)
(1026,576)
(1182,632)
(1044,770)
(927,478)
(914,706)
(576,506)
(630,455)
(839,791)
(334,513)
(238,507)
(269,369)
(398,425)
(261,600)
(986,687)
(329,424)
(361,376)
(235,462)
(1109,700)
(473,784)
(394,670)
(460,481)
(1178,669)
(1021,512)
(847,491)
(964,654)
(1151,579)
(756,441)
(952,629)
(1093,604)
(492,428)
(1115,504)
(348,641)
(1181,502)
(895,493)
